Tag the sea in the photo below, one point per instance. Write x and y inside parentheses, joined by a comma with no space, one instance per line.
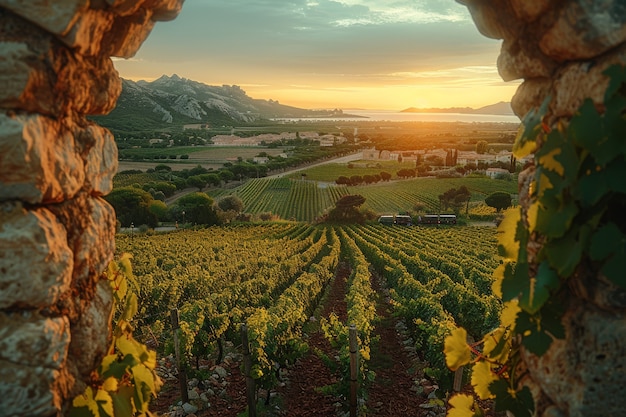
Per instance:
(395,116)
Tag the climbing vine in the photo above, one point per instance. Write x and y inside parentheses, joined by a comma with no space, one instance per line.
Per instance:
(125,381)
(578,197)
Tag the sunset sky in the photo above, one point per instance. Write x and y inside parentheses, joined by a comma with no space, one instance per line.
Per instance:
(374,54)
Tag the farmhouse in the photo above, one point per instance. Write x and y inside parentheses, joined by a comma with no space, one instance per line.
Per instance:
(495,172)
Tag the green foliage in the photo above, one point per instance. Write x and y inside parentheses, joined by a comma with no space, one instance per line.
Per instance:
(499,200)
(455,198)
(482,147)
(347,210)
(198,208)
(578,200)
(126,380)
(230,203)
(132,205)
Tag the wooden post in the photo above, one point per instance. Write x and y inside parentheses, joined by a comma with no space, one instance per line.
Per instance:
(182,376)
(247,365)
(354,371)
(458,379)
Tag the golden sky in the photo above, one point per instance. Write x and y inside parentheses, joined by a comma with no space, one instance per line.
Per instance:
(371,54)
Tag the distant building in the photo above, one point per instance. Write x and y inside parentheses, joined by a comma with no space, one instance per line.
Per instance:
(495,172)
(260,159)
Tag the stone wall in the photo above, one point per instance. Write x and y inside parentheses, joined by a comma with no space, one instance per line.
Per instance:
(560,49)
(56,231)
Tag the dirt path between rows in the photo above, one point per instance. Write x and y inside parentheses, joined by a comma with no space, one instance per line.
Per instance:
(398,388)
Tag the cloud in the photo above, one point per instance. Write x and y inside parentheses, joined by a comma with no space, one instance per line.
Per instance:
(317,43)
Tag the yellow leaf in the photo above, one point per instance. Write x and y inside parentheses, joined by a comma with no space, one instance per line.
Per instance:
(482,376)
(456,349)
(508,316)
(506,233)
(548,162)
(491,342)
(86,400)
(110,384)
(523,147)
(105,402)
(544,185)
(498,277)
(533,212)
(462,406)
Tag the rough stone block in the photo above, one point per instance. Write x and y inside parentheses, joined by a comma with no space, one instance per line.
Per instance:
(35,261)
(56,17)
(33,340)
(39,162)
(165,9)
(530,94)
(494,19)
(518,59)
(38,74)
(128,34)
(90,222)
(585,372)
(86,35)
(29,391)
(91,335)
(585,29)
(101,162)
(530,10)
(15,74)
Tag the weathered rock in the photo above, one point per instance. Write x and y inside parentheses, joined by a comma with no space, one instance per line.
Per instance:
(55,68)
(39,162)
(33,244)
(33,340)
(585,29)
(101,160)
(561,50)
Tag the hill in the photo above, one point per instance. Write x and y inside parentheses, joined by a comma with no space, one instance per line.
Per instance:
(501,108)
(175,101)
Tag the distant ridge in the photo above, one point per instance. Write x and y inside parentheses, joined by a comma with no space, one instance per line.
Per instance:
(502,108)
(175,101)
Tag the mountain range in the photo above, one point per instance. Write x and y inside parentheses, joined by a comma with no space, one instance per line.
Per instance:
(174,101)
(501,108)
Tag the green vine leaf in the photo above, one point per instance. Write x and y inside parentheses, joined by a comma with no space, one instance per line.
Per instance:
(509,243)
(525,142)
(565,254)
(534,338)
(552,217)
(519,403)
(515,281)
(617,78)
(608,243)
(541,286)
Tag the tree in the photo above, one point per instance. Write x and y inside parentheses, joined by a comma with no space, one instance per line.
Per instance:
(499,200)
(160,210)
(198,208)
(132,205)
(481,146)
(197,181)
(455,199)
(385,176)
(226,175)
(347,209)
(356,179)
(230,203)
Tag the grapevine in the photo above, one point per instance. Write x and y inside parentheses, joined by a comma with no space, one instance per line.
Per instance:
(126,380)
(577,199)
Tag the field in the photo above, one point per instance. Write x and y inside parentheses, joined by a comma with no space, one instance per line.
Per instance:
(306,200)
(276,276)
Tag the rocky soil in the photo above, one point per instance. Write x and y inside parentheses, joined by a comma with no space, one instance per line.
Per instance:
(399,388)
